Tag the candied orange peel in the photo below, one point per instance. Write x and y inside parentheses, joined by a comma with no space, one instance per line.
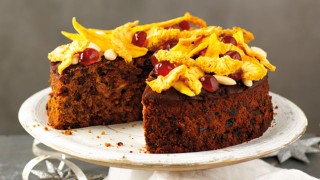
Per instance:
(182,78)
(199,50)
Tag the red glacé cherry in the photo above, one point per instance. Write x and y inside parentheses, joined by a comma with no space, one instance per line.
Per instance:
(184,25)
(139,38)
(165,46)
(209,83)
(169,44)
(163,68)
(88,56)
(233,54)
(237,75)
(229,40)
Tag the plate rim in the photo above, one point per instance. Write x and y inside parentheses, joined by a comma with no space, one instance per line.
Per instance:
(29,104)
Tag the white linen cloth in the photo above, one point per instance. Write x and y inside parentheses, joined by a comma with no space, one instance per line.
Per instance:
(251,170)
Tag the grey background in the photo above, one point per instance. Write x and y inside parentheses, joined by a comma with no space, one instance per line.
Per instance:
(289,30)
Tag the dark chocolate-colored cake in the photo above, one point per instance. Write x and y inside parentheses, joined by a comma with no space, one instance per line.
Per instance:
(174,122)
(106,92)
(202,87)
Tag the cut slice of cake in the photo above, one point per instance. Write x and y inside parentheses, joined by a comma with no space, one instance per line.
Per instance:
(106,92)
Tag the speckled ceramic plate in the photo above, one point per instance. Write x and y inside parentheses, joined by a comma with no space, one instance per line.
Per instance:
(89,144)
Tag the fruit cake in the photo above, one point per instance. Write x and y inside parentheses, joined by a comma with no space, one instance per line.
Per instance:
(106,92)
(195,87)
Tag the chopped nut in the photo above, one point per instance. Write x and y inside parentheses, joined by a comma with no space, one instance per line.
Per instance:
(107,144)
(259,51)
(89,131)
(110,54)
(120,144)
(225,80)
(75,59)
(247,82)
(67,132)
(103,133)
(46,128)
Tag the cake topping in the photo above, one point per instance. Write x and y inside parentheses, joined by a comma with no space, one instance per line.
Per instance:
(209,83)
(233,54)
(88,56)
(110,54)
(163,68)
(225,80)
(229,40)
(237,75)
(65,53)
(247,82)
(139,38)
(185,57)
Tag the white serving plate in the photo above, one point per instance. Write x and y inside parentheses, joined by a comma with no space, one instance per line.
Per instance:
(88,144)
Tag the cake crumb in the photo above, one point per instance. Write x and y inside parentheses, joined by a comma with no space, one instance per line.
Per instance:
(103,133)
(133,125)
(46,128)
(34,125)
(89,131)
(98,137)
(67,132)
(107,144)
(120,144)
(123,157)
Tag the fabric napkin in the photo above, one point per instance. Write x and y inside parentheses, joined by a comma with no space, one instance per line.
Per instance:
(251,170)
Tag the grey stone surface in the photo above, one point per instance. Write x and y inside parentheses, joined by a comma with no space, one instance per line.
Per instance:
(16,152)
(288,30)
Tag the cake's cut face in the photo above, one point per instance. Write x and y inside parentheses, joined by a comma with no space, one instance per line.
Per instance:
(196,87)
(107,92)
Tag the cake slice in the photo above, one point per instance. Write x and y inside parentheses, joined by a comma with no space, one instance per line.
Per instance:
(106,92)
